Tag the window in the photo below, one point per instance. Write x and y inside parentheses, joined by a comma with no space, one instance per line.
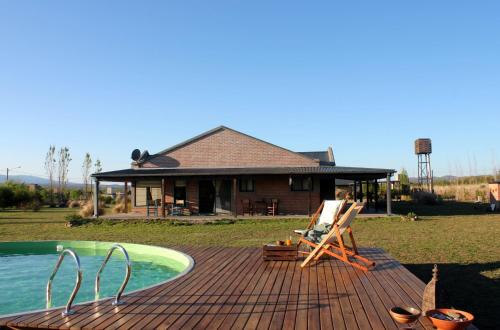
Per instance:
(147,195)
(180,193)
(301,184)
(247,185)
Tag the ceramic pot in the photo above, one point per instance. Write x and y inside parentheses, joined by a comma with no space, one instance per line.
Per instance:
(449,324)
(405,315)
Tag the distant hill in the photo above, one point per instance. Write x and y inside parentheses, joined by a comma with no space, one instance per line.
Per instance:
(31,179)
(28,179)
(437,178)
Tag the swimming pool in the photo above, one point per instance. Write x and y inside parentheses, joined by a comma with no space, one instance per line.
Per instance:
(25,268)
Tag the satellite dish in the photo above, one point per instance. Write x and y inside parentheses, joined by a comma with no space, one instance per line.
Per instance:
(136,154)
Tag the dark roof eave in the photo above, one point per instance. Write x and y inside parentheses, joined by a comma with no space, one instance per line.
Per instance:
(340,171)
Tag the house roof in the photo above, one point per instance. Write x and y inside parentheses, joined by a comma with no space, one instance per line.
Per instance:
(212,131)
(325,165)
(324,157)
(319,155)
(342,172)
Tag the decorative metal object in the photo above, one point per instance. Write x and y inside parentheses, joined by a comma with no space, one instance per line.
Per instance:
(433,293)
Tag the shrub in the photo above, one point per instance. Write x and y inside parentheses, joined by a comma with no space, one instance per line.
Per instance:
(6,196)
(411,216)
(75,194)
(87,209)
(425,198)
(221,222)
(75,220)
(107,199)
(18,195)
(120,206)
(73,204)
(35,205)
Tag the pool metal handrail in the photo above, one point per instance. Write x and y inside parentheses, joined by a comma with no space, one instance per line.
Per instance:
(128,270)
(67,311)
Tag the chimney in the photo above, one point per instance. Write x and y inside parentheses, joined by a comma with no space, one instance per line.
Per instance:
(331,157)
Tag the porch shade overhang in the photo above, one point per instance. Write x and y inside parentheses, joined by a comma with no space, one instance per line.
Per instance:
(341,172)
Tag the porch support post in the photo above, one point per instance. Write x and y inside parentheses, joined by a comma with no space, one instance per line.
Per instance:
(367,194)
(389,197)
(132,193)
(163,197)
(354,191)
(125,197)
(96,198)
(375,192)
(334,189)
(234,206)
(360,191)
(309,204)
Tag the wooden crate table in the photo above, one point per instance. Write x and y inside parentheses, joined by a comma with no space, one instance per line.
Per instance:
(279,252)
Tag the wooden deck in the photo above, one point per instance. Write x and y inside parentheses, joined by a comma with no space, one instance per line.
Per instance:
(233,288)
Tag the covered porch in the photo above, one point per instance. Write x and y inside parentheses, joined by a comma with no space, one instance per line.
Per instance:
(163,192)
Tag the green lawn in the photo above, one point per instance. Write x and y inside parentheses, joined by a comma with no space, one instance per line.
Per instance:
(466,246)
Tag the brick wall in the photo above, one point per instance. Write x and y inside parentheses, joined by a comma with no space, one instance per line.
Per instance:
(266,187)
(290,202)
(228,149)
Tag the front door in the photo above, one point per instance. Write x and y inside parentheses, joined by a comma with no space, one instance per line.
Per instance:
(223,196)
(206,197)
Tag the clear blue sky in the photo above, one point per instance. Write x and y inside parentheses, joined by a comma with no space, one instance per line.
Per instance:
(367,78)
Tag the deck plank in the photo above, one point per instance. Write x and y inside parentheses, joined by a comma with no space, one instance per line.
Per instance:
(293,298)
(169,305)
(148,298)
(233,288)
(200,314)
(264,295)
(283,298)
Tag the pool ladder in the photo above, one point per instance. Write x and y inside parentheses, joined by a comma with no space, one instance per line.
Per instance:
(128,270)
(67,310)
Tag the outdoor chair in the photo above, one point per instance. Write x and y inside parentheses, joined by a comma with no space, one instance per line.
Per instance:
(272,207)
(247,206)
(326,213)
(333,244)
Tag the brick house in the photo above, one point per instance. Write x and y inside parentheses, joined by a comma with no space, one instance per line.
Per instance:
(223,170)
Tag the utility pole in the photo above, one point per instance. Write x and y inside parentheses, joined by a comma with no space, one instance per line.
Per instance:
(10,169)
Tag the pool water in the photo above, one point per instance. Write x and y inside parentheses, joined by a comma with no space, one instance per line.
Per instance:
(26,267)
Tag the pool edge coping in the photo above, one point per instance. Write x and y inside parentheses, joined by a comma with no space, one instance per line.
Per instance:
(189,268)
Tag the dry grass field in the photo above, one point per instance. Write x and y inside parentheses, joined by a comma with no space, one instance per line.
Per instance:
(463,192)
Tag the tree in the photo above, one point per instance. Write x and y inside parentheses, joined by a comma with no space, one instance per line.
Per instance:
(87,165)
(50,166)
(97,166)
(63,167)
(404,180)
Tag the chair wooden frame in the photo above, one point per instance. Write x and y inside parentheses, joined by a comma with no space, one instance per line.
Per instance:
(314,220)
(334,245)
(247,206)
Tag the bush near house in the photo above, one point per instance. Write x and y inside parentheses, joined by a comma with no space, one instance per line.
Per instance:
(18,195)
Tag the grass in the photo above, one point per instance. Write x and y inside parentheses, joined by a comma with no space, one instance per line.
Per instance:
(466,246)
